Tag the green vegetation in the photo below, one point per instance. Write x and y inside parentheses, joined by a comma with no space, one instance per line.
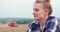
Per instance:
(17,20)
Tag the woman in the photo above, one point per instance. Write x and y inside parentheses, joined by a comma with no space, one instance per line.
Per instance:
(43,21)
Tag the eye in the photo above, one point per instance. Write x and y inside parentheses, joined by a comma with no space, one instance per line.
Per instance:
(36,9)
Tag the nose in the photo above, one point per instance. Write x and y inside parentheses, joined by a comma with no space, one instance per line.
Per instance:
(33,12)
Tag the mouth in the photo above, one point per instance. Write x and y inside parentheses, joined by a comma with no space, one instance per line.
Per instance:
(35,16)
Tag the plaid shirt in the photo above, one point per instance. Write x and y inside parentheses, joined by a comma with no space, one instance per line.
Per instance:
(51,25)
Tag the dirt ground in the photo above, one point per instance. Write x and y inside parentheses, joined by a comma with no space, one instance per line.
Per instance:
(19,28)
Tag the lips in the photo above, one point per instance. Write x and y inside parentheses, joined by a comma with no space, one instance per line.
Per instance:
(35,16)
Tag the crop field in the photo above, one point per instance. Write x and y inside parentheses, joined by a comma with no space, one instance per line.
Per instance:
(19,28)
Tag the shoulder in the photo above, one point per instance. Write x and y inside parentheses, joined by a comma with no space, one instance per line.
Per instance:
(33,24)
(57,25)
(53,19)
(30,26)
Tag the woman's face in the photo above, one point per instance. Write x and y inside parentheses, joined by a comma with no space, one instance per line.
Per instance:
(38,11)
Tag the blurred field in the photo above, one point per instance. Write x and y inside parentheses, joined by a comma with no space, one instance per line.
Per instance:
(20,28)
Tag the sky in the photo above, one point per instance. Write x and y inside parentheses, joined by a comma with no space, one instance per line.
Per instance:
(23,8)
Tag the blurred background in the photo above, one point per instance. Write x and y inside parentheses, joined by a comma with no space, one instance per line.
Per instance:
(16,14)
(20,11)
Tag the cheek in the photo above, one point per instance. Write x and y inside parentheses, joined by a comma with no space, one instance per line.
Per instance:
(41,14)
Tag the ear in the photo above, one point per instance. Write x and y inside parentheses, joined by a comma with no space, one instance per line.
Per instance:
(46,10)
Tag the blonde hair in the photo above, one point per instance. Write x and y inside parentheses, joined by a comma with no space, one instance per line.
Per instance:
(48,1)
(46,4)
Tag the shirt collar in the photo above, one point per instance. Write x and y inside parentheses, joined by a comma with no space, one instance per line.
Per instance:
(47,21)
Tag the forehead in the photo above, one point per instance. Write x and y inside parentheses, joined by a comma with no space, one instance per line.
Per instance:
(38,5)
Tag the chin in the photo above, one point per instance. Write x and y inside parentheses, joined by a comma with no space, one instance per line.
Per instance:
(36,18)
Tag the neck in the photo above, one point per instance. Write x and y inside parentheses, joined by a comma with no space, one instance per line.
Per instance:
(42,22)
